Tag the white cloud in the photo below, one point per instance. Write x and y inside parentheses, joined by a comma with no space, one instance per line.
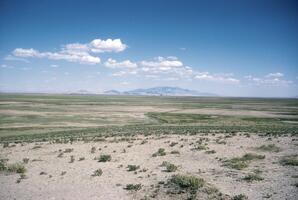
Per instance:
(109,45)
(124,83)
(6,66)
(76,52)
(83,57)
(13,58)
(274,75)
(161,63)
(271,79)
(54,66)
(111,63)
(225,78)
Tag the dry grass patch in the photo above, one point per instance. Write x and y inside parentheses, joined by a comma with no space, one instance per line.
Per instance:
(242,162)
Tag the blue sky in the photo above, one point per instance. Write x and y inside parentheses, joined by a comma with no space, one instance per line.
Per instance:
(232,48)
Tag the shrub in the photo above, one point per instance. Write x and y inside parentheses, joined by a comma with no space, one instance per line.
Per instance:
(269,147)
(132,167)
(93,149)
(81,158)
(104,158)
(239,197)
(5,144)
(2,165)
(289,160)
(134,187)
(242,162)
(25,160)
(210,152)
(253,177)
(200,147)
(187,182)
(60,155)
(97,172)
(171,167)
(72,159)
(17,167)
(160,152)
(68,150)
(175,152)
(173,144)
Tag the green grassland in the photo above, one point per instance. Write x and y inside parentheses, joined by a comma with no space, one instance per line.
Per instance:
(35,117)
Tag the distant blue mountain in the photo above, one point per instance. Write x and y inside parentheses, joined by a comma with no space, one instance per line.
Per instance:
(161,91)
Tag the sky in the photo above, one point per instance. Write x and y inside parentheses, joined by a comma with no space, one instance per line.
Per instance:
(227,47)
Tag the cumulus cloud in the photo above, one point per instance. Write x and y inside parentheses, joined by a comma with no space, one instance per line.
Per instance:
(166,68)
(13,58)
(111,63)
(76,52)
(226,78)
(82,58)
(6,66)
(274,75)
(271,79)
(109,45)
(161,63)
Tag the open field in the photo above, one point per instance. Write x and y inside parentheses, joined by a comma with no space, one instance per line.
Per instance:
(137,147)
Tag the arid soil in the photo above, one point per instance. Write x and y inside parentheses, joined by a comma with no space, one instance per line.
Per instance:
(66,171)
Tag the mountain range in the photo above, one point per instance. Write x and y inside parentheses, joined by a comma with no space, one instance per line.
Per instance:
(160,91)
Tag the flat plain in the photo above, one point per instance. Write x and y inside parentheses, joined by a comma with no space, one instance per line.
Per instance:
(141,147)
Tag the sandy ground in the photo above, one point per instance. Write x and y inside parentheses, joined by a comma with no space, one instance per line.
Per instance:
(77,182)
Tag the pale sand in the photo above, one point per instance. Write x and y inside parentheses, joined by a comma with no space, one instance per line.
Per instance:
(78,183)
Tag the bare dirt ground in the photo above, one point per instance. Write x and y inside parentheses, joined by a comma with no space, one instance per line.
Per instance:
(49,176)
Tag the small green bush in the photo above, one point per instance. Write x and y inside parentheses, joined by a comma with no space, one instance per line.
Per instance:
(175,152)
(187,182)
(239,197)
(134,187)
(97,172)
(104,158)
(17,167)
(93,149)
(242,162)
(210,152)
(289,160)
(160,152)
(253,177)
(132,167)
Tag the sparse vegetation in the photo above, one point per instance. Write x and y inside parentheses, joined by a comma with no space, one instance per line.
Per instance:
(93,149)
(104,158)
(160,152)
(242,162)
(253,177)
(269,147)
(25,160)
(186,182)
(97,172)
(132,167)
(291,160)
(211,152)
(240,197)
(169,166)
(133,187)
(72,159)
(174,152)
(68,150)
(81,158)
(107,121)
(17,168)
